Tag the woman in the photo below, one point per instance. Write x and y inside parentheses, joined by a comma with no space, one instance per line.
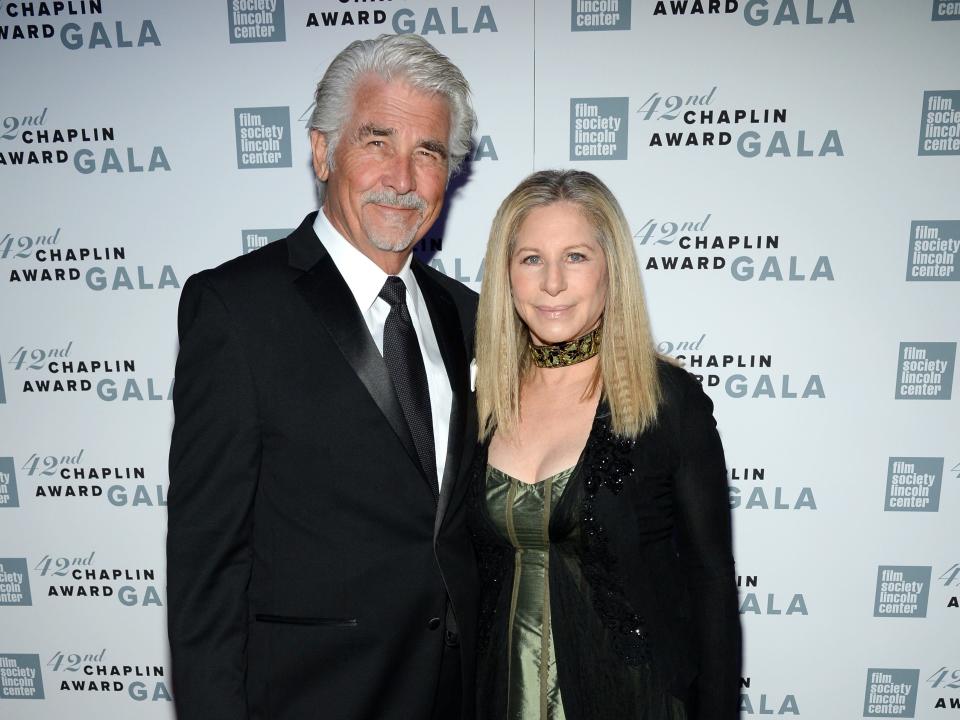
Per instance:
(599,502)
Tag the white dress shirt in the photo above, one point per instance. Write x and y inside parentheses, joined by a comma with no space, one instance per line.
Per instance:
(365,280)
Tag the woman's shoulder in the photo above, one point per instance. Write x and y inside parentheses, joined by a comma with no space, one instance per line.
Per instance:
(683,402)
(686,421)
(676,383)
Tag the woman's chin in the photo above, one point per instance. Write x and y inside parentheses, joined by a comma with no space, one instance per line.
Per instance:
(554,334)
(553,338)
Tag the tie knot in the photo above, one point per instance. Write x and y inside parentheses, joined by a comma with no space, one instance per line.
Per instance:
(394,291)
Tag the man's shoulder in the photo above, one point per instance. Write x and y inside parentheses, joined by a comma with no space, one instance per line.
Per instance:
(256,271)
(460,293)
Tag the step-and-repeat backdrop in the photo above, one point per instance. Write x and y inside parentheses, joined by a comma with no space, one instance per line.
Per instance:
(791,172)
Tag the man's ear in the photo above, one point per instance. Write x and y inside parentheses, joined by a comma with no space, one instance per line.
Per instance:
(318,142)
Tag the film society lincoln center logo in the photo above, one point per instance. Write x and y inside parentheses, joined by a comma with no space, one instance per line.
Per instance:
(20,677)
(598,128)
(902,591)
(263,137)
(256,21)
(946,10)
(14,582)
(925,370)
(591,15)
(891,692)
(256,239)
(8,484)
(934,253)
(940,123)
(913,484)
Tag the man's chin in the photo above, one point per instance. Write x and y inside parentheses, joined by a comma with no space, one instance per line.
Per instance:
(392,245)
(394,240)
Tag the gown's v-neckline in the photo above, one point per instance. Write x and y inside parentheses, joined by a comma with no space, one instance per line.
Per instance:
(555,475)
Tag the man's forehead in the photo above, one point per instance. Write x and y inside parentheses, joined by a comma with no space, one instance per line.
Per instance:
(376,96)
(373,83)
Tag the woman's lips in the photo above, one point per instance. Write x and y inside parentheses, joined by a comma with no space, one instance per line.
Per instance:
(553,311)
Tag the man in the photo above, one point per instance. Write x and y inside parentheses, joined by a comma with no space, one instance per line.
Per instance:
(318,561)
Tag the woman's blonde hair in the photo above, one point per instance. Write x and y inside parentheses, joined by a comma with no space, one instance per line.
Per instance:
(627,372)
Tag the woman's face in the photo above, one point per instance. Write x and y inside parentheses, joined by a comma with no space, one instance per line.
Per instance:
(558,274)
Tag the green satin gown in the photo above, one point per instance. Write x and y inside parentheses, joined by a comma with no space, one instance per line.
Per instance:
(521,514)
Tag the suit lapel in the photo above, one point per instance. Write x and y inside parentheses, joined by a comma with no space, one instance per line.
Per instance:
(449,332)
(326,292)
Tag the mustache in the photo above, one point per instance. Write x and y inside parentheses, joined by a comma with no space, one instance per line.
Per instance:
(407,201)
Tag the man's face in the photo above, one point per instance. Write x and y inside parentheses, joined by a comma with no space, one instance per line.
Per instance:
(390,169)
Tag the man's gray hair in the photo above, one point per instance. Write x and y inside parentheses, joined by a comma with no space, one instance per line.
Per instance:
(409,58)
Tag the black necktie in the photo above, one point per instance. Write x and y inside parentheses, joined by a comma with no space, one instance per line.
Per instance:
(401,352)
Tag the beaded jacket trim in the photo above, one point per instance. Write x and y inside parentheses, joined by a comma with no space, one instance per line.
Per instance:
(607,465)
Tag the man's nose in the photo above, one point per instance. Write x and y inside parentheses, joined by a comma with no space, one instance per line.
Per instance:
(399,175)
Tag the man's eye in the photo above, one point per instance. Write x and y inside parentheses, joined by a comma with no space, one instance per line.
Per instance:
(375,143)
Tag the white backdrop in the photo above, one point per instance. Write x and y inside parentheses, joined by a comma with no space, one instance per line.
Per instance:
(790,169)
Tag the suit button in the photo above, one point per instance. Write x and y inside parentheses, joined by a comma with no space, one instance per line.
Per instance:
(433,623)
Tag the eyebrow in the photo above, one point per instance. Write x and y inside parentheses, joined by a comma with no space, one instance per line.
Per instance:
(434,146)
(568,248)
(375,130)
(368,129)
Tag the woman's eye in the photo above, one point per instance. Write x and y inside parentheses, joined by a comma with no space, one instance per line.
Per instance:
(531,260)
(577,257)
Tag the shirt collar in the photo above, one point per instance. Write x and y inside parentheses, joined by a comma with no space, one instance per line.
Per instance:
(362,275)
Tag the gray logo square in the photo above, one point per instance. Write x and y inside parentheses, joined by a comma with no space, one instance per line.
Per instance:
(8,483)
(256,21)
(925,370)
(902,591)
(934,250)
(913,484)
(891,693)
(598,128)
(14,582)
(255,239)
(594,15)
(20,677)
(940,123)
(946,10)
(263,137)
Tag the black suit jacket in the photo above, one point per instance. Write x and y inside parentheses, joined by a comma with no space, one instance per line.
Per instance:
(308,557)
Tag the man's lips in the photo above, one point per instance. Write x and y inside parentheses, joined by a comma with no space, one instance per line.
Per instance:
(394,208)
